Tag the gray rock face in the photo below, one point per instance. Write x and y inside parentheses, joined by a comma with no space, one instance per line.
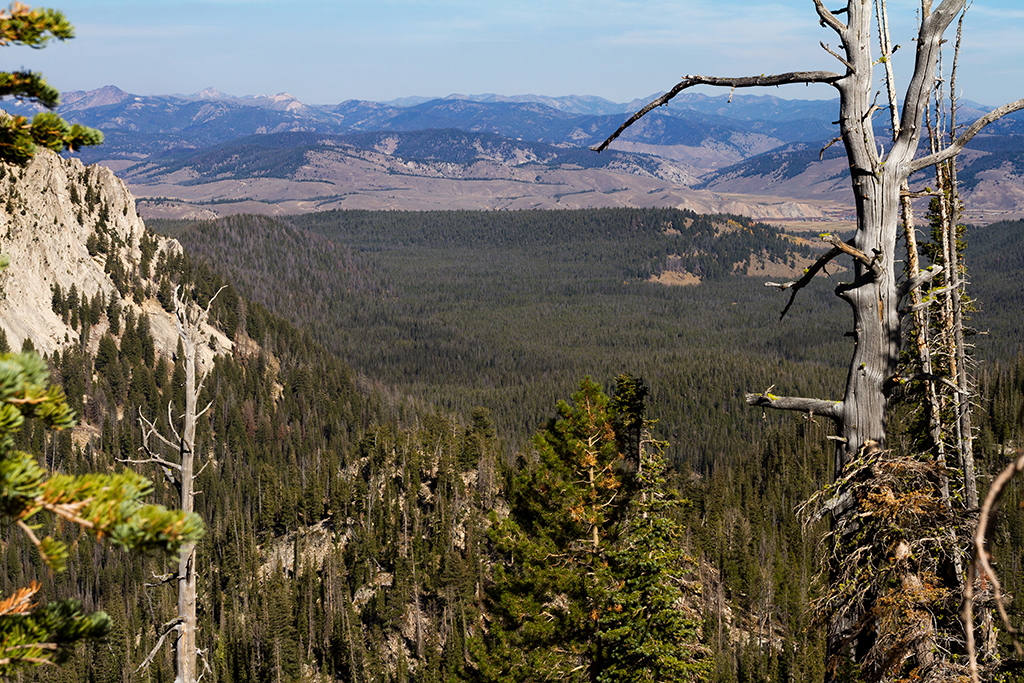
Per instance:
(45,221)
(48,211)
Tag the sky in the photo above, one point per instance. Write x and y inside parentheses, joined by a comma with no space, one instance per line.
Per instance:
(328,51)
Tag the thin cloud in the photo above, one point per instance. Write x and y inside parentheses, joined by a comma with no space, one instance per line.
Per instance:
(993,13)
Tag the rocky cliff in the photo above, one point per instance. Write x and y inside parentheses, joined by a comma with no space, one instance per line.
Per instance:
(65,224)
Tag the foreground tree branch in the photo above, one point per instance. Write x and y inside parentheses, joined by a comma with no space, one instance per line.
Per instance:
(959,143)
(981,568)
(808,276)
(816,406)
(742,82)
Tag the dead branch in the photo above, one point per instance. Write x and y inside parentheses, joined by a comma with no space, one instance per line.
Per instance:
(836,55)
(170,424)
(206,664)
(927,302)
(885,45)
(162,579)
(829,19)
(931,377)
(957,145)
(149,429)
(916,195)
(37,660)
(922,278)
(203,411)
(869,262)
(67,511)
(841,501)
(155,459)
(821,154)
(780,285)
(200,383)
(817,406)
(196,476)
(741,82)
(167,629)
(806,279)
(980,566)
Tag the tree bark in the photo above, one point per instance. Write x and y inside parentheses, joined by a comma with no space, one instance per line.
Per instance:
(185,647)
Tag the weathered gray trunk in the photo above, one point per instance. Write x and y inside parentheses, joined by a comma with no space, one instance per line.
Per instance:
(874,302)
(189,320)
(185,647)
(873,295)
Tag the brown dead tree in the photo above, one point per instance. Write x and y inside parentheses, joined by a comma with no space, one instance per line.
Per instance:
(877,296)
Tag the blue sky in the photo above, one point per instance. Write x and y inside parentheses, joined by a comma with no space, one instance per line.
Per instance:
(326,51)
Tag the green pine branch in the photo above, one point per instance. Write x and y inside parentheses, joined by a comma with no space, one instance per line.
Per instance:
(109,506)
(28,85)
(30,636)
(22,25)
(19,138)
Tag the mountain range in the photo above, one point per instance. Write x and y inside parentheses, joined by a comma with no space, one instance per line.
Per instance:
(212,154)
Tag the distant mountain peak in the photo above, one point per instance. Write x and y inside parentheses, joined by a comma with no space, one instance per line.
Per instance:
(86,99)
(279,97)
(211,93)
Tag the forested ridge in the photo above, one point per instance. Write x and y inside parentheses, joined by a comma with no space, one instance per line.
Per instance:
(373,427)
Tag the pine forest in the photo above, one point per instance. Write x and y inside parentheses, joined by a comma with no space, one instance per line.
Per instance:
(425,410)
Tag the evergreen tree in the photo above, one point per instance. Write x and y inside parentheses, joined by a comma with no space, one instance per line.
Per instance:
(21,25)
(582,592)
(648,632)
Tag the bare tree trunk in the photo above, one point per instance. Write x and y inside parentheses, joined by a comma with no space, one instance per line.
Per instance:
(185,648)
(963,380)
(189,319)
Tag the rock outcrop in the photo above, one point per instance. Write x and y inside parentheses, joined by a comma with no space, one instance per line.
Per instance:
(53,212)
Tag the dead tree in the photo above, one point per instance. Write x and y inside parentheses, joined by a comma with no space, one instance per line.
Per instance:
(876,295)
(181,474)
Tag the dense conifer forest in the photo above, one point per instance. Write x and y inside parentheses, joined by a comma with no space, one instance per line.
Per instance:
(507,310)
(381,441)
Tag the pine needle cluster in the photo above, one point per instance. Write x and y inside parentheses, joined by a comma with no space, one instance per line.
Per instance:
(19,137)
(109,506)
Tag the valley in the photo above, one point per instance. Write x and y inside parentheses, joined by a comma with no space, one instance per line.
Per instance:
(416,313)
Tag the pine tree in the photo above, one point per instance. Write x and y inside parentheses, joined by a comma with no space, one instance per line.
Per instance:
(648,633)
(547,593)
(590,581)
(21,25)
